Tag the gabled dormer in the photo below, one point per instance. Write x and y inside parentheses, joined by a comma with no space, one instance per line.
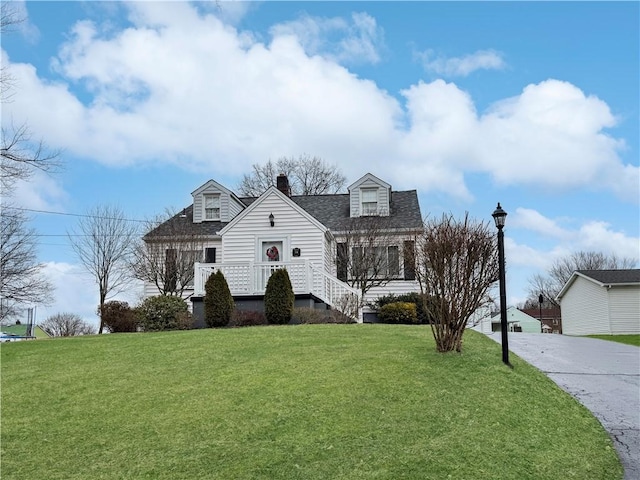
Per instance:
(369,196)
(214,203)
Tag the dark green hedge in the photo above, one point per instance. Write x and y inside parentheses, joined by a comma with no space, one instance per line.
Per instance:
(279,298)
(218,301)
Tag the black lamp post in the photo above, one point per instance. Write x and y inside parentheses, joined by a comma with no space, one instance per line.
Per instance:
(499,215)
(540,300)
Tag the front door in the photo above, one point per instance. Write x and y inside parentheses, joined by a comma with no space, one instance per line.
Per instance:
(272,252)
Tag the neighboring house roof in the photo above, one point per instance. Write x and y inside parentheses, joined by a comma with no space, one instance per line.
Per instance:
(331,210)
(604,278)
(20,330)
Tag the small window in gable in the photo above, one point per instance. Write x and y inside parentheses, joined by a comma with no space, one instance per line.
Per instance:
(369,201)
(211,207)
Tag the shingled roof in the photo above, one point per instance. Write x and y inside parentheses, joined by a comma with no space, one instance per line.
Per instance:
(604,278)
(330,210)
(613,277)
(333,210)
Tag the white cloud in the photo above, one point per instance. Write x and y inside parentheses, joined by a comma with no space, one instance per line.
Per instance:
(535,221)
(355,42)
(40,192)
(461,66)
(591,235)
(201,94)
(18,19)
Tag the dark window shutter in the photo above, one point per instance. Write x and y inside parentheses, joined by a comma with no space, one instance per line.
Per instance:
(209,255)
(342,260)
(409,257)
(171,270)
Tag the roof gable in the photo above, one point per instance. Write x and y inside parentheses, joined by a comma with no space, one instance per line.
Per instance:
(273,191)
(212,185)
(603,278)
(368,177)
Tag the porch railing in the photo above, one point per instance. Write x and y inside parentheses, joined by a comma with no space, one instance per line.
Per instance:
(250,278)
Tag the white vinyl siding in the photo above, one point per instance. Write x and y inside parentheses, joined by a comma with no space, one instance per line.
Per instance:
(585,309)
(197,209)
(240,242)
(624,309)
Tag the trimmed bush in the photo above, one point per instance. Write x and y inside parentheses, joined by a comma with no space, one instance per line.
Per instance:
(422,310)
(118,317)
(247,318)
(279,298)
(218,301)
(164,312)
(398,312)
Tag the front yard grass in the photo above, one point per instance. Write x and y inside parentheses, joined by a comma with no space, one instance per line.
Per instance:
(626,339)
(292,402)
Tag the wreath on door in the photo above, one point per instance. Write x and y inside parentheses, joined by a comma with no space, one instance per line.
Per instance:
(272,254)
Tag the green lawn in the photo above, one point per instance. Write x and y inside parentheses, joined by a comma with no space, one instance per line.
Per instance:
(293,402)
(628,339)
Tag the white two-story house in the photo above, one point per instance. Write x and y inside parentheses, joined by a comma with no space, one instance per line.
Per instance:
(338,249)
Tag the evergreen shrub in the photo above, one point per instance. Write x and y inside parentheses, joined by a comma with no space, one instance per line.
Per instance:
(164,312)
(218,301)
(279,298)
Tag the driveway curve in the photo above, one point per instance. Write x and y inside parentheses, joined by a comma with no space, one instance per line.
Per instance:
(602,375)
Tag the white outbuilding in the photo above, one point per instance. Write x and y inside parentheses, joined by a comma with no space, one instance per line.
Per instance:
(601,302)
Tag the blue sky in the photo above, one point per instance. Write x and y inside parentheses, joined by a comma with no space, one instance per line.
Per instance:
(535,105)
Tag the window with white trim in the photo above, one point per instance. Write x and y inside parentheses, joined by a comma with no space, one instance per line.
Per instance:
(369,201)
(211,207)
(379,262)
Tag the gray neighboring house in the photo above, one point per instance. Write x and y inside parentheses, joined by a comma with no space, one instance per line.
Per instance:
(601,302)
(249,238)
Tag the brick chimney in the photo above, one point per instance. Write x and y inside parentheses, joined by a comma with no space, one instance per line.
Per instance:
(282,183)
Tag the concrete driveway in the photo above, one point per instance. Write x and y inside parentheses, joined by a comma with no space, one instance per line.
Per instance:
(604,376)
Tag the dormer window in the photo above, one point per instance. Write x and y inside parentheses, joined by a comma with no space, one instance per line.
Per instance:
(369,200)
(211,207)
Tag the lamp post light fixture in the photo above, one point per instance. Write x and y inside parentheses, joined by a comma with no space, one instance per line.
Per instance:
(272,219)
(499,216)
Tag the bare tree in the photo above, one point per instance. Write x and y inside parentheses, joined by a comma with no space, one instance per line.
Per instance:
(21,157)
(457,264)
(103,242)
(369,252)
(165,256)
(66,325)
(20,154)
(21,276)
(307,176)
(9,18)
(551,282)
